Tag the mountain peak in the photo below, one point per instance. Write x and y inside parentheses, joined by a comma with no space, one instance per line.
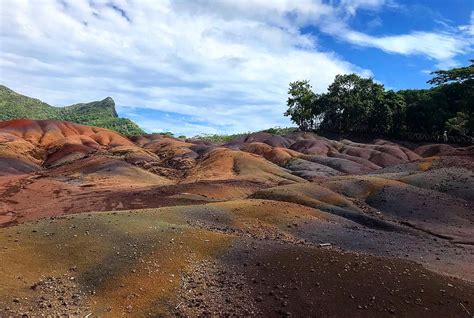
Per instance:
(109,102)
(98,113)
(109,99)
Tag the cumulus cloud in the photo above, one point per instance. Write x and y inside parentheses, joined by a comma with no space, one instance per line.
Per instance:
(227,64)
(223,65)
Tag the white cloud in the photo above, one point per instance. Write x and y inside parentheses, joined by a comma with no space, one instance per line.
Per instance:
(351,6)
(225,63)
(469,28)
(439,46)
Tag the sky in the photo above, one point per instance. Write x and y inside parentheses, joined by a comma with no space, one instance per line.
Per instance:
(210,66)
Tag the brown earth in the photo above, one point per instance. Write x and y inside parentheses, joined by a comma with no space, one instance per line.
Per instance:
(295,225)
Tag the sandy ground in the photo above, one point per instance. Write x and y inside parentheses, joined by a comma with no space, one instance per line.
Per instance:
(94,224)
(210,260)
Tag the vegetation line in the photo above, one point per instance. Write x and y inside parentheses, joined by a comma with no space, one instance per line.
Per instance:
(356,104)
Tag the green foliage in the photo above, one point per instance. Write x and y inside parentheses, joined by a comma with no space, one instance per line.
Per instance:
(165,133)
(356,104)
(280,131)
(425,111)
(225,138)
(13,105)
(396,106)
(218,138)
(429,110)
(300,104)
(456,75)
(100,113)
(459,123)
(352,103)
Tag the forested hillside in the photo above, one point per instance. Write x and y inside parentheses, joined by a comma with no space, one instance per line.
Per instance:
(99,113)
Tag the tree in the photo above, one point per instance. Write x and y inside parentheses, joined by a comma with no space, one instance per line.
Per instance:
(352,103)
(397,105)
(458,124)
(455,75)
(300,104)
(355,104)
(457,88)
(420,115)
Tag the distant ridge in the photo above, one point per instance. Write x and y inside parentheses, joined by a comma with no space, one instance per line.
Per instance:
(99,113)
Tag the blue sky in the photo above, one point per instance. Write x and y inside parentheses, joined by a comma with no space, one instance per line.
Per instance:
(211,66)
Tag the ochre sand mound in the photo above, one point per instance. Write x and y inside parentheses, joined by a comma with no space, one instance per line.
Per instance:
(260,226)
(52,132)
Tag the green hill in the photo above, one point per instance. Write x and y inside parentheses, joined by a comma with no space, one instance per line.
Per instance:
(101,113)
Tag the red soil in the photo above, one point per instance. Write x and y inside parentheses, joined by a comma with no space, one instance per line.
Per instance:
(379,199)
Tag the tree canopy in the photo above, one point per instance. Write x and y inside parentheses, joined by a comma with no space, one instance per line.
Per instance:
(356,104)
(300,103)
(458,75)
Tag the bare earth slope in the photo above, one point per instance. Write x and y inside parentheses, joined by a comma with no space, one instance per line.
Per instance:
(92,222)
